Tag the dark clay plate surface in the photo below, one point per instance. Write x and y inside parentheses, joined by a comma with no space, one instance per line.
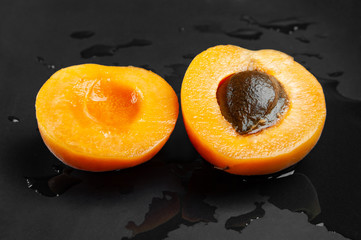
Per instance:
(177,195)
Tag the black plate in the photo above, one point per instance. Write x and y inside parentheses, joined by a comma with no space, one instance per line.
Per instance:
(177,195)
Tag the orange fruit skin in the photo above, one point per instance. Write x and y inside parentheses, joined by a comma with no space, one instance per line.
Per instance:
(101,118)
(274,148)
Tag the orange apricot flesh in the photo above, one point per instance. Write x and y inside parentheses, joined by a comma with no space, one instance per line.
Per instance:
(102,118)
(272,149)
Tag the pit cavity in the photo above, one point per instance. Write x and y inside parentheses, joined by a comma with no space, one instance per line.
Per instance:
(113,104)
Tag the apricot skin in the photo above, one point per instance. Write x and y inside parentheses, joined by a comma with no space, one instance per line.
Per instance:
(101,118)
(271,150)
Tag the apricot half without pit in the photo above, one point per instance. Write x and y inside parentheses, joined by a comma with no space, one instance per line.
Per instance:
(101,118)
(251,112)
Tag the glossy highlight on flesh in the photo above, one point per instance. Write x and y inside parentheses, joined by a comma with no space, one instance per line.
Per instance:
(101,118)
(249,135)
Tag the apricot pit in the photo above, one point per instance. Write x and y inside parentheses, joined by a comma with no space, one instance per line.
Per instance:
(251,101)
(251,112)
(101,118)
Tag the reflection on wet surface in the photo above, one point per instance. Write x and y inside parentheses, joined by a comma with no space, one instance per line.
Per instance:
(161,211)
(199,191)
(238,223)
(295,193)
(187,198)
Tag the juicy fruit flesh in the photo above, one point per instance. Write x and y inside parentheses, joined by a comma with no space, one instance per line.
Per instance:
(270,150)
(251,101)
(113,104)
(101,118)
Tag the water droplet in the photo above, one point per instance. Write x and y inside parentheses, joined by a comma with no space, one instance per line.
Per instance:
(40,185)
(44,63)
(55,184)
(13,119)
(287,25)
(249,34)
(248,19)
(303,39)
(312,55)
(208,28)
(82,34)
(287,174)
(100,50)
(40,59)
(181,29)
(335,74)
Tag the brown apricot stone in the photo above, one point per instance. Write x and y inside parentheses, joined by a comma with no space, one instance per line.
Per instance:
(251,101)
(251,133)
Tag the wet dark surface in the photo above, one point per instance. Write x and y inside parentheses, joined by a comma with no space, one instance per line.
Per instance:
(82,34)
(177,195)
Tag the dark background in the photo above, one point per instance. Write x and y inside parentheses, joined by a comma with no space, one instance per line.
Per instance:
(177,195)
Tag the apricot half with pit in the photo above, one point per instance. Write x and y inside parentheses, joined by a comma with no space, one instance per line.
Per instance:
(251,112)
(101,118)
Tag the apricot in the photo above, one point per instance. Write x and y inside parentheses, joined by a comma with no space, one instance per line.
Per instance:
(101,118)
(251,112)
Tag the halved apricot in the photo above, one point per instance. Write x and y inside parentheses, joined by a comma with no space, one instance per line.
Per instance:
(101,118)
(251,112)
